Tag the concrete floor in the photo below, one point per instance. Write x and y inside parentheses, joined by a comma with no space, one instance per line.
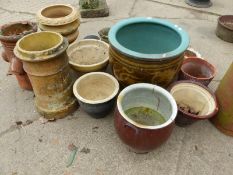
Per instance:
(41,149)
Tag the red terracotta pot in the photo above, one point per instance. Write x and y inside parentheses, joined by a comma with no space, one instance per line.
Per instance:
(143,138)
(9,35)
(224,120)
(198,70)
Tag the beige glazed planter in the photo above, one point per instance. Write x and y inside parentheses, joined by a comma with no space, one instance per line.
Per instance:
(46,63)
(61,18)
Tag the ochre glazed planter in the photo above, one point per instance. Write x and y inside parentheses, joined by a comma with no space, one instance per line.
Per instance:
(224,120)
(144,138)
(198,70)
(61,18)
(9,35)
(146,50)
(46,63)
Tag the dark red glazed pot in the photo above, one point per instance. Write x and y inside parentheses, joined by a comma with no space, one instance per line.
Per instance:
(198,70)
(195,102)
(143,138)
(9,34)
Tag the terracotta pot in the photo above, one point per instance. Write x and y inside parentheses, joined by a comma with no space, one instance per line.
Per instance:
(61,18)
(141,51)
(9,35)
(224,120)
(225,28)
(96,92)
(46,63)
(140,137)
(198,70)
(199,3)
(88,55)
(195,102)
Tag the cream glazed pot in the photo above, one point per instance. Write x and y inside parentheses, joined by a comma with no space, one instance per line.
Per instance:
(60,18)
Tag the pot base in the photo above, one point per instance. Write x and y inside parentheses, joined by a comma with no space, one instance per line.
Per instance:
(199,4)
(58,113)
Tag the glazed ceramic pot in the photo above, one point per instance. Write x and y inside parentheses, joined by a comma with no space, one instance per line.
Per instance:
(146,50)
(199,3)
(88,55)
(143,138)
(9,34)
(225,28)
(96,93)
(224,120)
(198,70)
(190,52)
(46,63)
(61,18)
(195,102)
(91,37)
(103,33)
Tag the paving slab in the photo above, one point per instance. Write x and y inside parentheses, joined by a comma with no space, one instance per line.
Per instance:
(41,149)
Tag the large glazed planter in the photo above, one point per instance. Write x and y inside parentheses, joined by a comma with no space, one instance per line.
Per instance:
(61,18)
(9,34)
(143,138)
(146,50)
(224,120)
(46,63)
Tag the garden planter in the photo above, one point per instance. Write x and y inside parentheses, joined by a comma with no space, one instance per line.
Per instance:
(144,137)
(195,101)
(103,33)
(190,52)
(146,50)
(225,28)
(61,18)
(224,120)
(96,92)
(199,3)
(46,63)
(9,35)
(88,55)
(198,70)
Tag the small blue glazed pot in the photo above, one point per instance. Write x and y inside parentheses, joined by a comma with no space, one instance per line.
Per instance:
(96,93)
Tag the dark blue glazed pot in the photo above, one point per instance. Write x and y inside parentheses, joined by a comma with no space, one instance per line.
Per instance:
(96,93)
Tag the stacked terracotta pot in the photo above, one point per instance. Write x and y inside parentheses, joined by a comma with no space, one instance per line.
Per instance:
(60,18)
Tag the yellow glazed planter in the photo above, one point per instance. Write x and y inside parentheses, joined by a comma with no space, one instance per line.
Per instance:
(46,63)
(61,18)
(146,50)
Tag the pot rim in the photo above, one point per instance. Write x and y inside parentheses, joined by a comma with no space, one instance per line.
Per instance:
(159,89)
(211,66)
(203,117)
(41,55)
(69,51)
(74,15)
(14,38)
(148,57)
(223,24)
(114,93)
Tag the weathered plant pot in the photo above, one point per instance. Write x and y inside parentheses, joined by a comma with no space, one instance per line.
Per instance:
(103,33)
(198,70)
(96,93)
(139,137)
(46,63)
(61,18)
(146,50)
(224,120)
(195,101)
(199,3)
(9,35)
(225,28)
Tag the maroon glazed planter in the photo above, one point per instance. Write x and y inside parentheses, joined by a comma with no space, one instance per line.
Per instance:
(9,34)
(195,102)
(143,138)
(198,70)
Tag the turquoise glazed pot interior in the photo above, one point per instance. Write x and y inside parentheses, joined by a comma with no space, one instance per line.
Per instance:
(148,38)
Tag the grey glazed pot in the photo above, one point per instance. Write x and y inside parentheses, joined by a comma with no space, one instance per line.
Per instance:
(96,93)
